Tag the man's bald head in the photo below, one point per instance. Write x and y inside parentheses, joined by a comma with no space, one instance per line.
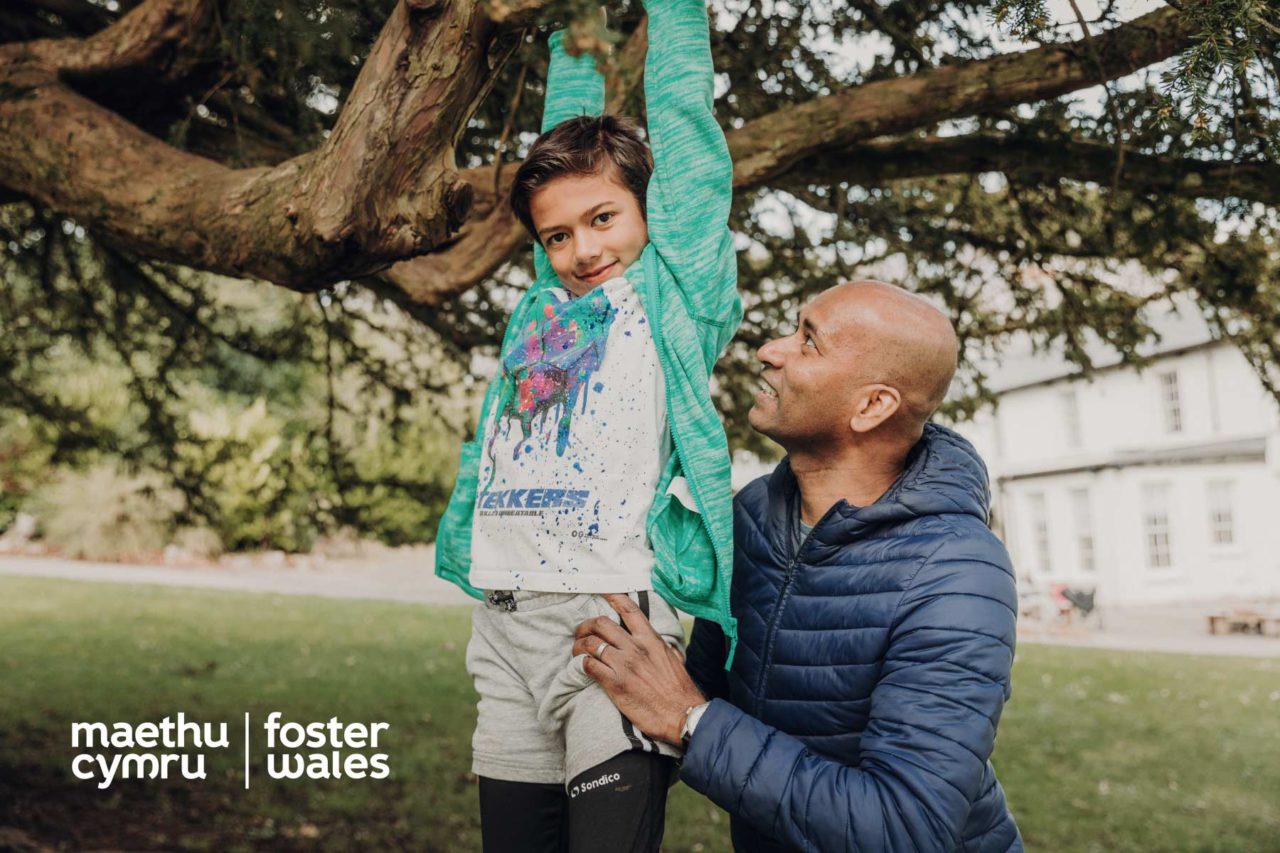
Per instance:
(904,339)
(867,355)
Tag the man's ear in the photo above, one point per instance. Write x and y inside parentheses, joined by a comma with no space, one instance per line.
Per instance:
(875,405)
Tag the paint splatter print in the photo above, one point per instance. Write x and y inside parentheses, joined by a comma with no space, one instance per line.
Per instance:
(551,369)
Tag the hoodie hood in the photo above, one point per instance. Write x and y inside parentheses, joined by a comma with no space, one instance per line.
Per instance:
(944,475)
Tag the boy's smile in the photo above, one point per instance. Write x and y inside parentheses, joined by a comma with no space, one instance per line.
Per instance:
(591,226)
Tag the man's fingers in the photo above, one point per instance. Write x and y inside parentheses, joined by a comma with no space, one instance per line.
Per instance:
(611,632)
(587,645)
(637,623)
(602,628)
(598,671)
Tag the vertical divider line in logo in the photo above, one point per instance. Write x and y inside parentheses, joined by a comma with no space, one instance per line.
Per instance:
(246,750)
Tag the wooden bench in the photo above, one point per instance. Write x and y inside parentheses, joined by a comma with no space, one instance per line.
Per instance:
(1245,621)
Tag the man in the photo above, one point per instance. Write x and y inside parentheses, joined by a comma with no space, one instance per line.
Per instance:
(875,608)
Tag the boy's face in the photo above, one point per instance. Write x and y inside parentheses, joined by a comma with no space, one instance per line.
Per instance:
(591,227)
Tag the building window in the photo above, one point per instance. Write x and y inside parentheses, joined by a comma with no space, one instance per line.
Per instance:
(1084,529)
(1171,402)
(1071,417)
(1222,520)
(1155,525)
(1039,515)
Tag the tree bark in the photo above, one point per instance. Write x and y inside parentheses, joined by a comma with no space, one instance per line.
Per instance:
(164,36)
(493,234)
(383,186)
(1038,160)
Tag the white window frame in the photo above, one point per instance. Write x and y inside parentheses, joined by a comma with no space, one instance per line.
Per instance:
(1223,534)
(1157,530)
(1171,401)
(1086,543)
(1041,544)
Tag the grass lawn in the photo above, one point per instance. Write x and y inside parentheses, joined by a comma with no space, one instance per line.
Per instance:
(1098,750)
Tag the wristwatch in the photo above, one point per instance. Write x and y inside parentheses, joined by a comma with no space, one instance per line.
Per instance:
(691,718)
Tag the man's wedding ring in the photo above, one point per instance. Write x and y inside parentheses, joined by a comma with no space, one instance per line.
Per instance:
(600,651)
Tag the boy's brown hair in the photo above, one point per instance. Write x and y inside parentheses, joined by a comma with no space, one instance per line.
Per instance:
(587,145)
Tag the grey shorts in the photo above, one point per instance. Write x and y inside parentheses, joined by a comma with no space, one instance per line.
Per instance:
(541,717)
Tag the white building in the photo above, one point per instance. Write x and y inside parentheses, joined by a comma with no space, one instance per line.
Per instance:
(1156,485)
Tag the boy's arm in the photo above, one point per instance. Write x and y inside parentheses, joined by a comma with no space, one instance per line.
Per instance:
(574,88)
(692,186)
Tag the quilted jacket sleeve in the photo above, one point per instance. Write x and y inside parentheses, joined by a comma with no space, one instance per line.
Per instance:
(931,730)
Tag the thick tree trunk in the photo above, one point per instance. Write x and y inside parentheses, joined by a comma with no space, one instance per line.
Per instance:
(382,188)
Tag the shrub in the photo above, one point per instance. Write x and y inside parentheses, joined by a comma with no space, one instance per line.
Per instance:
(24,464)
(105,513)
(266,487)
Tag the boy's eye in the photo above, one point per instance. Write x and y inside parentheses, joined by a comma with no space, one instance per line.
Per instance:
(555,239)
(604,217)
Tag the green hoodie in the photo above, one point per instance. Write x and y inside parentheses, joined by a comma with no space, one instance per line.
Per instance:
(686,278)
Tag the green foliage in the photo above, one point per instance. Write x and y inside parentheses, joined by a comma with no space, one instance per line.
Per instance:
(1034,245)
(1231,35)
(264,485)
(422,453)
(1026,19)
(278,417)
(24,465)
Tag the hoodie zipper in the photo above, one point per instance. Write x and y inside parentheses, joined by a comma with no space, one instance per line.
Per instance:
(767,655)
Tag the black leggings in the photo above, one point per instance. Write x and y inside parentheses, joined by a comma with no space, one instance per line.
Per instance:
(619,805)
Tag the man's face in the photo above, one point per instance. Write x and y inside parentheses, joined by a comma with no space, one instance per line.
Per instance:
(591,227)
(809,378)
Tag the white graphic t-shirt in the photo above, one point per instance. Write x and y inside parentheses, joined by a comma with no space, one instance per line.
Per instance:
(573,450)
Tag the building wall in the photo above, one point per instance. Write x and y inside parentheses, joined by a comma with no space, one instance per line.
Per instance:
(1119,501)
(1029,439)
(1220,398)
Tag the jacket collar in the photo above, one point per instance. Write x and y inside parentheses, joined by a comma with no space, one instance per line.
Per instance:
(943,475)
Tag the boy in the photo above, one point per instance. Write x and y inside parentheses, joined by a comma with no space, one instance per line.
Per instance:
(600,464)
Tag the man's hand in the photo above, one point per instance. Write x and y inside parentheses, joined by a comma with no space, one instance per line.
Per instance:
(643,676)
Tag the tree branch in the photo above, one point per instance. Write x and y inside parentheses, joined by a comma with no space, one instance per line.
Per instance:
(769,145)
(166,36)
(904,42)
(1038,160)
(493,234)
(383,187)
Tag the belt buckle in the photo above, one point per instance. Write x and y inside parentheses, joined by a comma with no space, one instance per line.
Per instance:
(502,598)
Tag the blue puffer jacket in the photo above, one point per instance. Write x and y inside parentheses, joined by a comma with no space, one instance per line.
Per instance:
(871,668)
